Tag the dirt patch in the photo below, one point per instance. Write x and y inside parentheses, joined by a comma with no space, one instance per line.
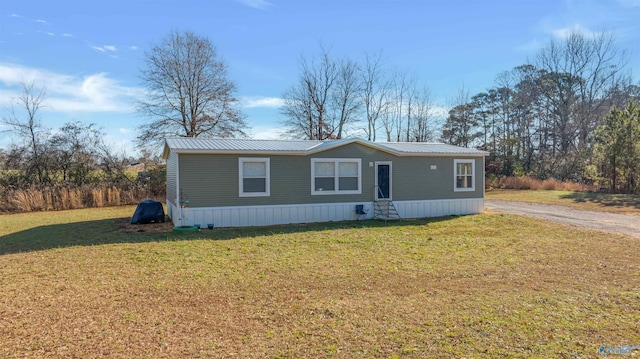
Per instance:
(125,226)
(602,221)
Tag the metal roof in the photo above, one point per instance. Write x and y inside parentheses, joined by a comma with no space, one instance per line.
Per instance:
(428,147)
(234,144)
(306,147)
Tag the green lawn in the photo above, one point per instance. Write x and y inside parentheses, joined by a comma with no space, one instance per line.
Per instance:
(482,286)
(592,201)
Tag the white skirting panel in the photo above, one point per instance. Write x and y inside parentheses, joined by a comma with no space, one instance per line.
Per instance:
(439,208)
(245,216)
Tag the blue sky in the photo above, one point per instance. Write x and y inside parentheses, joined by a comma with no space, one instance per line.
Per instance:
(88,53)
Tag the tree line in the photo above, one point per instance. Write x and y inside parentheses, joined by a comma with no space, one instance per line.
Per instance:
(567,114)
(333,98)
(187,93)
(538,119)
(70,154)
(68,167)
(541,119)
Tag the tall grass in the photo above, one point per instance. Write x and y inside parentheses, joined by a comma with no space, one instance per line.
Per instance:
(529,183)
(62,197)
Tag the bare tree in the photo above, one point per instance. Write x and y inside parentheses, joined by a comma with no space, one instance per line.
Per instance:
(578,75)
(29,128)
(374,94)
(307,103)
(112,165)
(420,115)
(73,151)
(298,109)
(325,99)
(394,122)
(404,87)
(188,92)
(346,101)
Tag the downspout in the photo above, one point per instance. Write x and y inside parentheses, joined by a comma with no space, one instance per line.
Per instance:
(484,177)
(177,203)
(484,180)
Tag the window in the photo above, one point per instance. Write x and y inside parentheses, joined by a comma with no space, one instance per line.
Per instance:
(254,176)
(463,175)
(336,176)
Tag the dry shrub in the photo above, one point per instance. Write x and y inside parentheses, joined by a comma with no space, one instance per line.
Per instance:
(97,197)
(29,200)
(113,196)
(577,187)
(550,184)
(518,183)
(61,197)
(23,201)
(529,183)
(47,199)
(75,198)
(128,196)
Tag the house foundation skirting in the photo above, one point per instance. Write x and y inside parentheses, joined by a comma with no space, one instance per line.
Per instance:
(246,216)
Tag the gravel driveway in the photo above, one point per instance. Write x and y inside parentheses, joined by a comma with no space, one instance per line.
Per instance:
(609,222)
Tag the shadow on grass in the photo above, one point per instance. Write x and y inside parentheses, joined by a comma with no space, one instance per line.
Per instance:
(605,199)
(109,231)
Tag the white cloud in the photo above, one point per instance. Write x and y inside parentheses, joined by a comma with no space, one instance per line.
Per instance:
(267,133)
(439,112)
(104,48)
(68,35)
(134,48)
(565,32)
(125,130)
(40,21)
(65,93)
(260,101)
(123,145)
(256,4)
(15,15)
(51,34)
(11,74)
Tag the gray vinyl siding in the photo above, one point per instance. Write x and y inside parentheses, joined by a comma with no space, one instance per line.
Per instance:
(172,177)
(212,180)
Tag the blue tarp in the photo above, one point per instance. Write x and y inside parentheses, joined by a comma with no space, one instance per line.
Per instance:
(148,211)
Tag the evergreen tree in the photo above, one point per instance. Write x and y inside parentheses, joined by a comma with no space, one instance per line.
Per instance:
(617,148)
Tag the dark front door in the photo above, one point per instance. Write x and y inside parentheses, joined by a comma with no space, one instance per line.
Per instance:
(383,181)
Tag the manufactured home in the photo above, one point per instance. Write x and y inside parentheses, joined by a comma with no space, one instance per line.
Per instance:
(243,182)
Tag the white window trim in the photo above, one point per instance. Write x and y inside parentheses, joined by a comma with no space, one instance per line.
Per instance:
(455,175)
(267,162)
(336,162)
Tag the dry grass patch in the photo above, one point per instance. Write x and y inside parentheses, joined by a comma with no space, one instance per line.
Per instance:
(530,183)
(483,286)
(588,201)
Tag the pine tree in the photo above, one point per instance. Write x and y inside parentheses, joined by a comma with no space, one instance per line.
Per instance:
(617,148)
